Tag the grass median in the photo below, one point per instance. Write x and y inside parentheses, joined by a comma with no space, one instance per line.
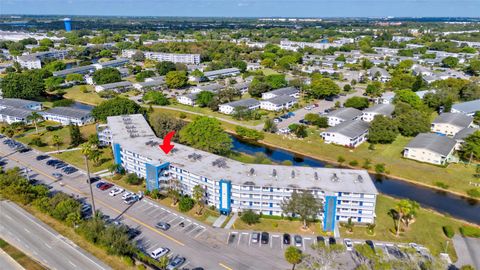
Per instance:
(20,257)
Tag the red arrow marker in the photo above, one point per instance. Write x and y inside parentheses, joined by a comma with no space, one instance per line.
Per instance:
(166,146)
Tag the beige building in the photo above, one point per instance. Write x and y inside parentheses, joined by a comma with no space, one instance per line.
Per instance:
(430,148)
(451,123)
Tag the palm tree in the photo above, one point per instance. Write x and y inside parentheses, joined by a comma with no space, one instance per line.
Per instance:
(163,262)
(403,208)
(198,196)
(57,141)
(293,256)
(173,190)
(86,151)
(34,117)
(114,168)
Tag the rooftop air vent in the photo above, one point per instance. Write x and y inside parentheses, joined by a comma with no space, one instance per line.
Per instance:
(360,179)
(315,175)
(293,174)
(251,172)
(274,173)
(335,178)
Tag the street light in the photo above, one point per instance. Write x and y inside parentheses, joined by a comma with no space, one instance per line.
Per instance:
(86,151)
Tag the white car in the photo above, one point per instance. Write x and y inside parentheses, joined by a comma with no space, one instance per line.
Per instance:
(116,191)
(159,252)
(126,195)
(308,108)
(348,244)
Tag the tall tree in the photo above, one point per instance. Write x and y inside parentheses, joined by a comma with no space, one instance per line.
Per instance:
(471,148)
(35,117)
(293,256)
(204,98)
(382,130)
(176,79)
(26,85)
(57,141)
(164,67)
(199,197)
(115,106)
(404,208)
(86,152)
(303,204)
(106,75)
(207,134)
(323,87)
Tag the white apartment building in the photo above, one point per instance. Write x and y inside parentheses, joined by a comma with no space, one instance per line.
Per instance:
(278,103)
(68,115)
(249,104)
(232,186)
(163,57)
(379,109)
(451,123)
(349,133)
(341,115)
(430,148)
(285,91)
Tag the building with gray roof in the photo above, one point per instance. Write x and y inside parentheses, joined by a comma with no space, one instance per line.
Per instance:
(350,133)
(278,103)
(12,115)
(116,86)
(285,91)
(226,72)
(341,115)
(20,103)
(233,186)
(68,115)
(430,148)
(462,134)
(468,108)
(211,87)
(249,104)
(451,123)
(379,109)
(74,70)
(112,63)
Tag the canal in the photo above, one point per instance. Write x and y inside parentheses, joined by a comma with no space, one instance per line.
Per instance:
(443,202)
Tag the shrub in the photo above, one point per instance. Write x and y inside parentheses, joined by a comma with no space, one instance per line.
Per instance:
(53,128)
(182,115)
(128,261)
(442,185)
(133,179)
(37,141)
(474,192)
(63,103)
(367,164)
(469,231)
(380,168)
(250,217)
(448,231)
(186,204)
(340,159)
(353,163)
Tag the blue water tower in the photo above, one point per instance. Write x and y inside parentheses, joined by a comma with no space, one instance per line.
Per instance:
(68,24)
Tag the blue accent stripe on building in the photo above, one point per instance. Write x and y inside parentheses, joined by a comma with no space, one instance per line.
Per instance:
(225,196)
(116,154)
(329,213)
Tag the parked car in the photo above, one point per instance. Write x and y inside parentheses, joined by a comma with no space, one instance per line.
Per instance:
(60,165)
(265,237)
(162,225)
(332,241)
(57,175)
(286,239)
(100,184)
(94,179)
(277,120)
(126,195)
(370,244)
(329,98)
(348,244)
(176,262)
(106,186)
(69,170)
(298,240)
(255,237)
(116,191)
(24,149)
(131,199)
(41,157)
(320,240)
(159,252)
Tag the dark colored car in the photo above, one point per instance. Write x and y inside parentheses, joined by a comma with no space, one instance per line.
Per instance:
(41,157)
(106,186)
(163,225)
(329,98)
(370,244)
(60,165)
(320,239)
(24,150)
(332,241)
(286,239)
(100,184)
(176,262)
(264,237)
(94,179)
(53,162)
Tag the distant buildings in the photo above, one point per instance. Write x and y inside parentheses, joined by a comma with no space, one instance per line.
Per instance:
(34,60)
(286,91)
(430,148)
(468,108)
(112,63)
(117,86)
(248,104)
(68,115)
(227,72)
(170,57)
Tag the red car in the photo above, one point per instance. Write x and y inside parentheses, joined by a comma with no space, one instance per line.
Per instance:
(106,186)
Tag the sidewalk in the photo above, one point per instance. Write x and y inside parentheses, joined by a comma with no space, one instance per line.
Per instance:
(218,223)
(7,262)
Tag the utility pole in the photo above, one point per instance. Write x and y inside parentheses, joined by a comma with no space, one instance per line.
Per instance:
(90,185)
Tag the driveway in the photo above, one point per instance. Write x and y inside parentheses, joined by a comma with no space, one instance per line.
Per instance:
(468,251)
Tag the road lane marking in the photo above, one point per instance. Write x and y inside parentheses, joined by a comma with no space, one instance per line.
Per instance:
(224,266)
(47,245)
(74,265)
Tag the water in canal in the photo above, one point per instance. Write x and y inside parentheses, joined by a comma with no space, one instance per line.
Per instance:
(442,202)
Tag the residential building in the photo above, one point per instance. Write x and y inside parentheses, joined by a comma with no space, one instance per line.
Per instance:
(450,123)
(430,148)
(286,91)
(212,87)
(278,103)
(229,108)
(462,134)
(76,70)
(150,84)
(233,186)
(68,115)
(12,115)
(112,63)
(468,108)
(164,57)
(341,115)
(379,74)
(20,103)
(34,60)
(241,87)
(227,72)
(253,66)
(350,133)
(188,99)
(379,109)
(117,86)
(386,98)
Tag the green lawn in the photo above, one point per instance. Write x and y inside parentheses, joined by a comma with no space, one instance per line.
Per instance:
(76,94)
(426,230)
(76,158)
(279,225)
(269,71)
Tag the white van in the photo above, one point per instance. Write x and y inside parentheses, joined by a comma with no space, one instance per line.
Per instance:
(159,252)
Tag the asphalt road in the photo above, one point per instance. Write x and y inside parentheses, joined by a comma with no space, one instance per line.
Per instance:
(202,245)
(38,241)
(7,262)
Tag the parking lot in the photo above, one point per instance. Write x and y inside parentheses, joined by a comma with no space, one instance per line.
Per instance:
(245,240)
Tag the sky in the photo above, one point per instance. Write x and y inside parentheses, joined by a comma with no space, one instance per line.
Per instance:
(247,8)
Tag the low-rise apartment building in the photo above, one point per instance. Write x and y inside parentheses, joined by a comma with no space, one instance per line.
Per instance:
(379,109)
(430,148)
(68,115)
(451,123)
(341,115)
(350,133)
(278,103)
(230,107)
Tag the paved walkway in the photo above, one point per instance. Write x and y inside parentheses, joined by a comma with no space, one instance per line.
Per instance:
(63,150)
(218,223)
(7,262)
(468,251)
(231,221)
